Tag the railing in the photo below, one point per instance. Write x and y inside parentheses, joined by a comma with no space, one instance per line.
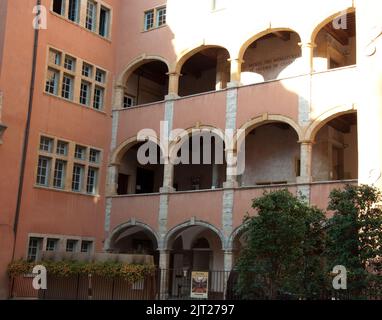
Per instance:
(169,284)
(80,287)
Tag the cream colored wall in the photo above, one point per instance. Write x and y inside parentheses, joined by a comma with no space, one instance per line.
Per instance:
(351,154)
(190,84)
(324,157)
(149,91)
(327,46)
(272,59)
(271,156)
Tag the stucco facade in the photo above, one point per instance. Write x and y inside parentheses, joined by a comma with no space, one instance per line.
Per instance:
(300,79)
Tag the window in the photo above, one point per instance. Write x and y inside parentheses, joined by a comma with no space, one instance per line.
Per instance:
(155,18)
(92,181)
(34,249)
(51,244)
(74,8)
(59,174)
(52,82)
(62,148)
(43,169)
(86,246)
(59,7)
(161,17)
(87,70)
(61,80)
(128,101)
(98,98)
(80,152)
(100,76)
(71,245)
(104,22)
(54,57)
(91,15)
(78,177)
(85,93)
(149,20)
(94,156)
(67,87)
(46,144)
(69,63)
(54,160)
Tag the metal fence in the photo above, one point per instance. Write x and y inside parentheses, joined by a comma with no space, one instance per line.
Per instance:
(162,284)
(81,287)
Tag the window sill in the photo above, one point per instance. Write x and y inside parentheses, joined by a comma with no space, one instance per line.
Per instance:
(153,29)
(36,186)
(107,39)
(75,103)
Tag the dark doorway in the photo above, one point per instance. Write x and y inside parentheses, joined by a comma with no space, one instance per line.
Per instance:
(145,181)
(123,184)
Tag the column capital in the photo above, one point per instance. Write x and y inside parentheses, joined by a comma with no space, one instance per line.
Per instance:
(120,87)
(238,60)
(306,142)
(311,45)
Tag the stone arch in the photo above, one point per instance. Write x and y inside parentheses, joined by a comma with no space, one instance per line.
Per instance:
(326,117)
(193,223)
(135,64)
(186,133)
(131,223)
(234,234)
(187,54)
(118,153)
(266,119)
(318,28)
(257,36)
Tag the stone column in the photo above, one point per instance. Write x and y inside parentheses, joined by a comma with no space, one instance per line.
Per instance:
(236,65)
(307,49)
(168,178)
(369,62)
(119,94)
(305,178)
(164,266)
(173,85)
(228,266)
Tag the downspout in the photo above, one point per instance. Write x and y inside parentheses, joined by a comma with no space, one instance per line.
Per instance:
(26,134)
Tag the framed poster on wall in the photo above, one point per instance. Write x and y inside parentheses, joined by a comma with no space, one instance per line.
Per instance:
(199,285)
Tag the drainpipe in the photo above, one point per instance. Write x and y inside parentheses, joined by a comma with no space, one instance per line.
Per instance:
(26,136)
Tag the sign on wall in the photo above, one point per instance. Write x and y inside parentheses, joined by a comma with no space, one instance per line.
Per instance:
(199,285)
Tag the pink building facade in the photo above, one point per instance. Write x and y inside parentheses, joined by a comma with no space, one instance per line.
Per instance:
(302,88)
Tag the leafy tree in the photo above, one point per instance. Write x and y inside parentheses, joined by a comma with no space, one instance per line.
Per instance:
(354,234)
(285,244)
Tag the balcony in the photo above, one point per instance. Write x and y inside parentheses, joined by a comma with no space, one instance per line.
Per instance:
(326,90)
(206,205)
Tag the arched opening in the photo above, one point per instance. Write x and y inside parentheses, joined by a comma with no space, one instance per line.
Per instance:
(335,152)
(141,170)
(273,56)
(202,163)
(135,240)
(207,70)
(272,155)
(195,248)
(336,44)
(147,84)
